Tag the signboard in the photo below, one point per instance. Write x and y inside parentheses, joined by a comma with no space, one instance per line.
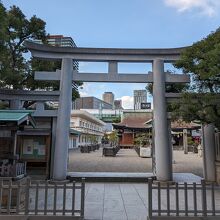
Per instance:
(145,105)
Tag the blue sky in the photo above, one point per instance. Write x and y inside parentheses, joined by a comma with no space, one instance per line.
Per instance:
(127,24)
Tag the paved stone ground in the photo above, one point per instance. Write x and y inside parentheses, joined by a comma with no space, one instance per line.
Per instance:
(127,160)
(116,201)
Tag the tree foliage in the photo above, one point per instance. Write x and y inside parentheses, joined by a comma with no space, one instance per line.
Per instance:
(169,88)
(202,101)
(143,139)
(113,138)
(16,71)
(203,60)
(16,29)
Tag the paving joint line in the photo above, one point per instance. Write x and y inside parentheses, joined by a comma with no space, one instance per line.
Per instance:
(123,201)
(140,197)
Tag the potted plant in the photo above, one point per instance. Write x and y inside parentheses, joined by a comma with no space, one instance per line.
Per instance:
(143,144)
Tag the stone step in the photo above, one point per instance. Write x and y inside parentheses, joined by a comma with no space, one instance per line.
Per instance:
(110,176)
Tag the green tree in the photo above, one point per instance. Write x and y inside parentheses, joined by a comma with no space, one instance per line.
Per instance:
(16,29)
(16,72)
(3,25)
(142,139)
(113,137)
(202,100)
(45,65)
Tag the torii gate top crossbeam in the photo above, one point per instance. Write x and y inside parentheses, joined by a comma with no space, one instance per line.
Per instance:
(103,54)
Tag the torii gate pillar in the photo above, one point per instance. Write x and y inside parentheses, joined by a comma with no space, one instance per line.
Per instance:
(162,140)
(63,121)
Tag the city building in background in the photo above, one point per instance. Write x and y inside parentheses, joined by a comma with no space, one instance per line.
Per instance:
(87,129)
(108,97)
(108,116)
(61,41)
(91,103)
(118,104)
(140,96)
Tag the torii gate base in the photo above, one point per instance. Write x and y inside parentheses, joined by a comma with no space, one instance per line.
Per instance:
(155,56)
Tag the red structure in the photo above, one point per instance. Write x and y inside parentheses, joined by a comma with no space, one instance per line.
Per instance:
(133,123)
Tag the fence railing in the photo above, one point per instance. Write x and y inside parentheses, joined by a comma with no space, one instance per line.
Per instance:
(42,198)
(186,200)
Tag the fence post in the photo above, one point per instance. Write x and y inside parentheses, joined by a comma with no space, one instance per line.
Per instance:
(36,198)
(159,199)
(82,197)
(73,198)
(213,199)
(27,196)
(149,198)
(195,199)
(186,198)
(18,187)
(204,201)
(177,198)
(45,197)
(168,199)
(9,197)
(1,192)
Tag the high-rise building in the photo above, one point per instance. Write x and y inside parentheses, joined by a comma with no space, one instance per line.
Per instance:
(61,41)
(91,103)
(108,97)
(118,104)
(140,96)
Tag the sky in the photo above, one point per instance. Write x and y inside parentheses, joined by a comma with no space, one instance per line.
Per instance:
(124,24)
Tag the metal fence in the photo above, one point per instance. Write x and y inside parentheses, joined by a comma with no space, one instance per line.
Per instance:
(35,198)
(217,146)
(183,200)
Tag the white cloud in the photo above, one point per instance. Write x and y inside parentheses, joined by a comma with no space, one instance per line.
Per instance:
(127,102)
(92,89)
(208,7)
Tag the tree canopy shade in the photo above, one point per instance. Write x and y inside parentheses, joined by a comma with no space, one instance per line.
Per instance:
(202,100)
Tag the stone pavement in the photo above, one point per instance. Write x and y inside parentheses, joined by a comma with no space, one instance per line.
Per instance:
(129,201)
(127,160)
(115,201)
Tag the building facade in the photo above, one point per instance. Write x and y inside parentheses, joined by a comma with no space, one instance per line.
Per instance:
(108,97)
(90,128)
(91,103)
(140,96)
(106,115)
(132,124)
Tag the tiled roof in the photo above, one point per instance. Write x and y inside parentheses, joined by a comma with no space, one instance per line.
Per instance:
(18,116)
(135,121)
(180,124)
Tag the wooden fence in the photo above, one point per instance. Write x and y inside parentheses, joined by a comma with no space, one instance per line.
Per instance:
(183,200)
(34,198)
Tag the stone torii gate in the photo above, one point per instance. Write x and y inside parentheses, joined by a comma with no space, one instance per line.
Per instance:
(113,56)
